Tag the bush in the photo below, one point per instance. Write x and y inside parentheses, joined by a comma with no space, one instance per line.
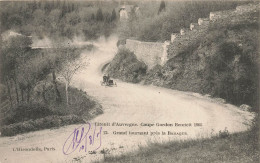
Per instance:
(24,112)
(38,124)
(223,134)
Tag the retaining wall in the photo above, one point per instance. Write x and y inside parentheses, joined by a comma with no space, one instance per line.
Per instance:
(151,53)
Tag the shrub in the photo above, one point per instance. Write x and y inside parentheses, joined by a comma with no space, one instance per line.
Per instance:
(224,134)
(24,112)
(38,124)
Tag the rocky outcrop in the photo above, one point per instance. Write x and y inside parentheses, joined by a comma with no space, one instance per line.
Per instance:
(126,66)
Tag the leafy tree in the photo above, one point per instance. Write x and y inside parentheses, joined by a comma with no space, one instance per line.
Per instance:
(107,17)
(15,20)
(39,17)
(99,15)
(14,53)
(166,31)
(162,7)
(113,16)
(72,18)
(92,16)
(70,66)
(34,5)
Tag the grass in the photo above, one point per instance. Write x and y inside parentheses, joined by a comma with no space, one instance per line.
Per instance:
(80,103)
(238,147)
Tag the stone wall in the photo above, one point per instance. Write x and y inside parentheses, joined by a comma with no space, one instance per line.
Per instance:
(187,37)
(151,53)
(247,7)
(214,16)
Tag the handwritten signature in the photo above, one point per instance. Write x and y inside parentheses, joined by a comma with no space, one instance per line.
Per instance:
(82,140)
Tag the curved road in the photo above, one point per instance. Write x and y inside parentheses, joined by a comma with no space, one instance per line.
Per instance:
(128,103)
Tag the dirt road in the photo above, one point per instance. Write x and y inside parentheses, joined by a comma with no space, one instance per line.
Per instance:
(127,104)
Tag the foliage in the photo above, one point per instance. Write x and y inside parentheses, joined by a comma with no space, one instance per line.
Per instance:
(58,18)
(223,63)
(153,26)
(29,87)
(38,115)
(38,124)
(31,90)
(70,67)
(126,66)
(99,15)
(232,72)
(162,7)
(24,112)
(224,134)
(113,16)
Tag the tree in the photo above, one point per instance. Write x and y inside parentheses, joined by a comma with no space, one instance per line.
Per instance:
(92,16)
(54,17)
(99,15)
(107,17)
(69,68)
(14,53)
(162,7)
(14,20)
(27,77)
(39,17)
(72,19)
(113,16)
(166,31)
(52,58)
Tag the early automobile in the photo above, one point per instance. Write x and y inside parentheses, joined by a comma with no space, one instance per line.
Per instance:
(107,81)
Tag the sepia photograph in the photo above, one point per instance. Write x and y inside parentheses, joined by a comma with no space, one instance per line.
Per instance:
(129,81)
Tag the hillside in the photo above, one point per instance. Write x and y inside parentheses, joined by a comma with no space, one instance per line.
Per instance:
(126,67)
(223,62)
(220,58)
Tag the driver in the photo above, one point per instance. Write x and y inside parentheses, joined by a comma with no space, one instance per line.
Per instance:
(104,78)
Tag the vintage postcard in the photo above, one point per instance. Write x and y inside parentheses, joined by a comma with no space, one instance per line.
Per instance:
(149,81)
